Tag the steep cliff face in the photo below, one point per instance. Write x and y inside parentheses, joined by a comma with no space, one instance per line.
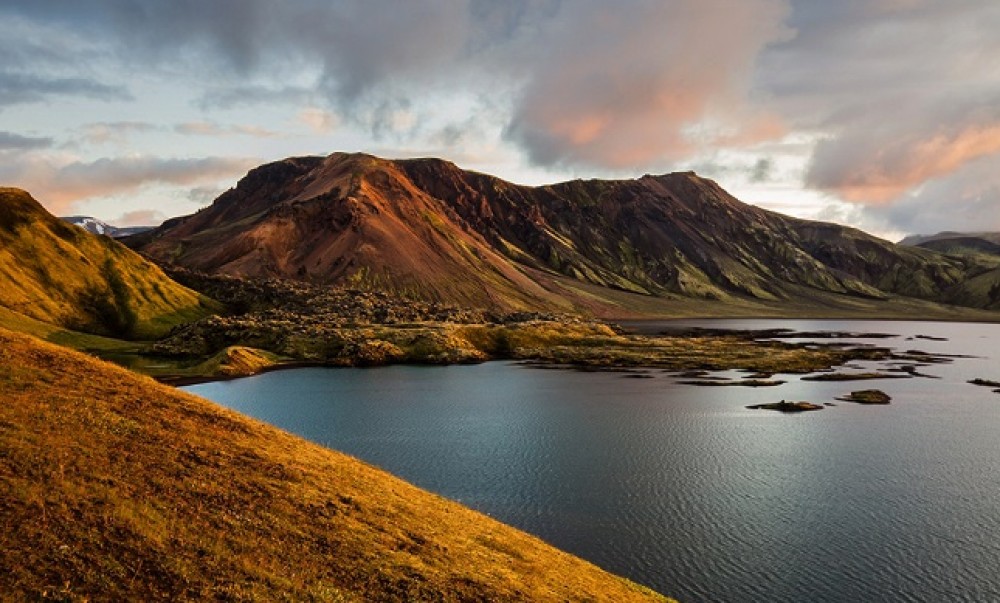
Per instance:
(426,228)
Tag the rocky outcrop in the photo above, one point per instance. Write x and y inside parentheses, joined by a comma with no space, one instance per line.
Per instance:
(784,406)
(867,396)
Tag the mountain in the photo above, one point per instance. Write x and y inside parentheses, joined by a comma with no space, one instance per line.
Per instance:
(982,289)
(58,274)
(957,242)
(919,239)
(425,228)
(116,488)
(95,226)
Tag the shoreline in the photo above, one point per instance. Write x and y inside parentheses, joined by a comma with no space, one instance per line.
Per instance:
(184,380)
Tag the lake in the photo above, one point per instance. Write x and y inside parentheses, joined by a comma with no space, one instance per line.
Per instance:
(684,489)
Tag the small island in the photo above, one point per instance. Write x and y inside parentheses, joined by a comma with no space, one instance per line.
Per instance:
(867,396)
(985,383)
(856,376)
(784,406)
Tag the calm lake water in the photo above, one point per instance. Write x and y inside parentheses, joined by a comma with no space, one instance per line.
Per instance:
(684,489)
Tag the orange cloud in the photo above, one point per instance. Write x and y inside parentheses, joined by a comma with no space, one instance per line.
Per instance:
(638,88)
(59,184)
(883,174)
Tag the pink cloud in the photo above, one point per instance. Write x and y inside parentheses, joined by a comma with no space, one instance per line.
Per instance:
(59,184)
(881,169)
(635,88)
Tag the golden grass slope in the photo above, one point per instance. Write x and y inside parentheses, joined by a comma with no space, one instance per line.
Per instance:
(60,274)
(113,487)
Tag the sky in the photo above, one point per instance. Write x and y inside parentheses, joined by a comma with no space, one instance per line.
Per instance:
(878,114)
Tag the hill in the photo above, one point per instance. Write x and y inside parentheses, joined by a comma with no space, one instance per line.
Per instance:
(425,228)
(983,248)
(99,227)
(920,240)
(957,243)
(118,488)
(62,275)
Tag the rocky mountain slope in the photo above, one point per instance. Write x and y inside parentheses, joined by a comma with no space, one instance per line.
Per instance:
(116,488)
(427,229)
(56,273)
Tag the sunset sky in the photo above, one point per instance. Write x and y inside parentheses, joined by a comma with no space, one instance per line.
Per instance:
(880,114)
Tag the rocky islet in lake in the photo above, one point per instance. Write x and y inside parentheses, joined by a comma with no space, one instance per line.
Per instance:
(867,396)
(787,407)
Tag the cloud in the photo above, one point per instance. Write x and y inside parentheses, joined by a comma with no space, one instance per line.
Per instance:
(58,184)
(966,200)
(318,120)
(16,142)
(631,88)
(203,195)
(113,131)
(140,217)
(241,95)
(586,83)
(879,164)
(206,128)
(762,170)
(904,92)
(351,45)
(20,88)
(892,98)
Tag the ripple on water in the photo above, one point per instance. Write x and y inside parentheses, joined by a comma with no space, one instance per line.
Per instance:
(684,489)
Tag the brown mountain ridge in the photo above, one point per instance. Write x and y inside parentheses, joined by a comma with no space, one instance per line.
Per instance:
(427,229)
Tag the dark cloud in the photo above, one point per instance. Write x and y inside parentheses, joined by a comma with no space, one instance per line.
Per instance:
(203,195)
(591,83)
(19,88)
(762,170)
(16,142)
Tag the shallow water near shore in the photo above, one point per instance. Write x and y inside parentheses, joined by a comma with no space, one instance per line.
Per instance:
(683,488)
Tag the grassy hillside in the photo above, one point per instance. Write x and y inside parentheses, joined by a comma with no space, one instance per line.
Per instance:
(115,487)
(60,274)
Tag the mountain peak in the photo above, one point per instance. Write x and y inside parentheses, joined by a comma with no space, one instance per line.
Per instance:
(17,206)
(426,228)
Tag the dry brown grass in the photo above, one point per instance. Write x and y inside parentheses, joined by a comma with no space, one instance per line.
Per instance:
(113,487)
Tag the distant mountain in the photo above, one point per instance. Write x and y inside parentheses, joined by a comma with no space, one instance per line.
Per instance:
(61,275)
(957,242)
(918,239)
(427,229)
(95,226)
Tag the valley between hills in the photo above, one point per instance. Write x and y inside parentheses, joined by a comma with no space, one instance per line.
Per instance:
(354,260)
